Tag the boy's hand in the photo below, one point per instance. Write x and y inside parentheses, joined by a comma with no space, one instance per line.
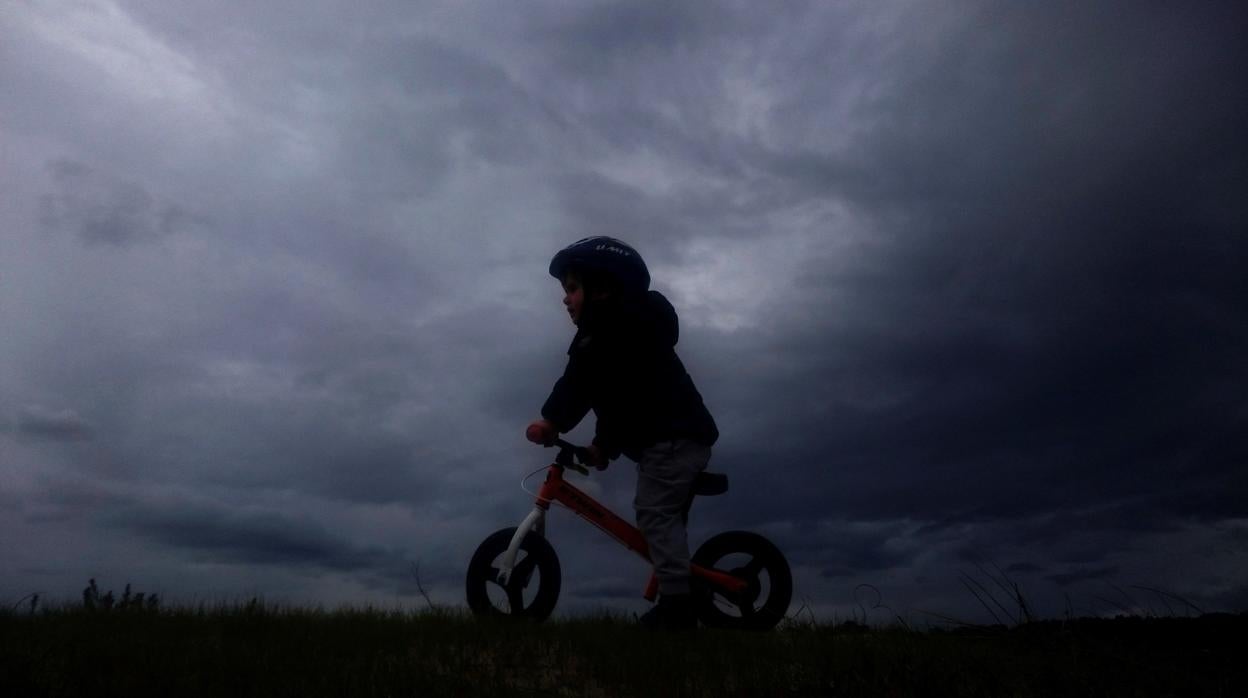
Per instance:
(542,432)
(595,457)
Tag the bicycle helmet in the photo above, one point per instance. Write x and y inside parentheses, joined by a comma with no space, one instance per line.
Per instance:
(604,256)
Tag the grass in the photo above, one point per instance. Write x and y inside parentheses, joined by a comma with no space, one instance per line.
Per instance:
(252,650)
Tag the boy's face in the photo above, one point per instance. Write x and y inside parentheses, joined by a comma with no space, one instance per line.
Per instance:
(573,297)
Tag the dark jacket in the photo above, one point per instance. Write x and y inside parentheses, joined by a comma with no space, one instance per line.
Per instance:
(623,365)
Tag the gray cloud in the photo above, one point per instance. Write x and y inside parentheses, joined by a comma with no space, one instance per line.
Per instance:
(1082,574)
(38,422)
(259,538)
(1033,325)
(100,209)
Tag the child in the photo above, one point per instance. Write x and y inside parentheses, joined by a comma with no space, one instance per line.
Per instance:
(622,364)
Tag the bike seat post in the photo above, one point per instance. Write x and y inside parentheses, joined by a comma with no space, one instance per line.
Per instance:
(709,484)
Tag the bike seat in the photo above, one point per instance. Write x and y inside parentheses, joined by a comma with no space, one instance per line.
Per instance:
(710,484)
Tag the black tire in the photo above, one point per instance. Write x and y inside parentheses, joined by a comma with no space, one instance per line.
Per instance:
(518,598)
(754,559)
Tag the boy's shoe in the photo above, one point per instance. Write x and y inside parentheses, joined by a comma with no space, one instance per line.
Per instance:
(672,612)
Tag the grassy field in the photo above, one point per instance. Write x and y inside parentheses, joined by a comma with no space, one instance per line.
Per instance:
(253,651)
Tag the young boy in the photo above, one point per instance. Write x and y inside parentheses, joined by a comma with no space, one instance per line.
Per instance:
(622,364)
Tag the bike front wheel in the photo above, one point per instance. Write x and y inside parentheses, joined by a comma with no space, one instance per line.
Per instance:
(533,587)
(754,560)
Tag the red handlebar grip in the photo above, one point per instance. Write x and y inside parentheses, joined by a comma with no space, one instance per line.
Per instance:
(537,434)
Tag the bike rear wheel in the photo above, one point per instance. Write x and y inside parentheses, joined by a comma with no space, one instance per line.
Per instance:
(533,587)
(753,559)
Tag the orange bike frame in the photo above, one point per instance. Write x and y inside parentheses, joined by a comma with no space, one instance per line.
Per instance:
(556,489)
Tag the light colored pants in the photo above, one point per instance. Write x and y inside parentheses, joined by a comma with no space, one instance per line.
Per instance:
(665,475)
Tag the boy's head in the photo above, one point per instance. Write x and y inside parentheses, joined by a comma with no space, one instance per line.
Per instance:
(596,267)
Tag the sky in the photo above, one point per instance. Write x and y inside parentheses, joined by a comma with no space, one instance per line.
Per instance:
(962,284)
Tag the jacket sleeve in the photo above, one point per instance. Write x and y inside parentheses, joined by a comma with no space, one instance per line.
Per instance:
(569,400)
(606,441)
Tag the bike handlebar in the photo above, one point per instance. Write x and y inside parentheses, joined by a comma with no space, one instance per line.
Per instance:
(572,456)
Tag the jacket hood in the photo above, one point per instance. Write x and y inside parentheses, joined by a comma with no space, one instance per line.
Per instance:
(662,317)
(648,313)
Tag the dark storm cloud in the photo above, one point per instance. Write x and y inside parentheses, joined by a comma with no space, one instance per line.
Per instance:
(434,99)
(53,425)
(1058,301)
(602,207)
(841,549)
(103,209)
(1082,574)
(254,538)
(596,35)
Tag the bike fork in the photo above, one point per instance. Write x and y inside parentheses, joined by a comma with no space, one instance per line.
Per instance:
(535,521)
